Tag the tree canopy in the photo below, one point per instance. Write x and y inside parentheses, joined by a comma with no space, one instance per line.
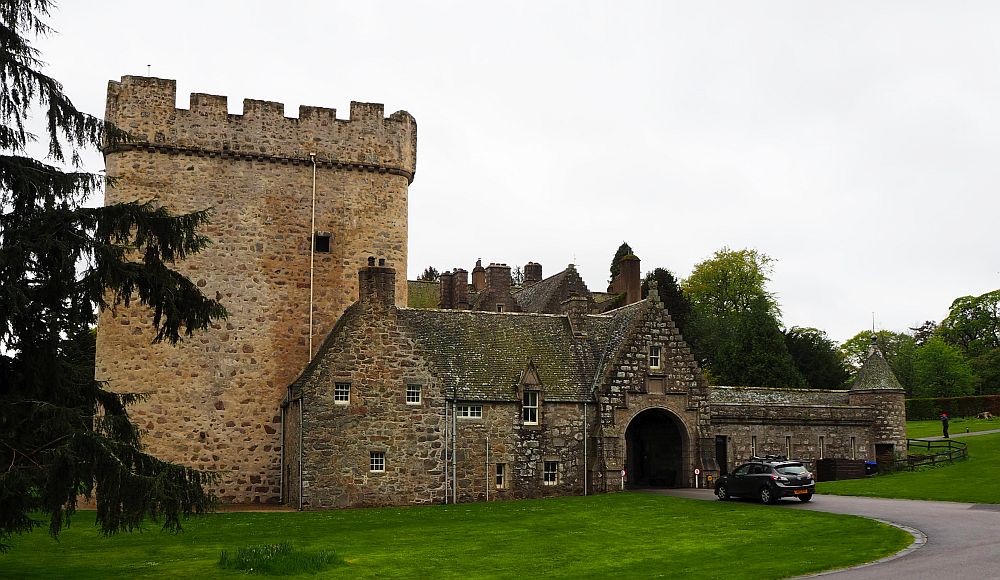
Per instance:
(939,370)
(670,294)
(733,329)
(62,433)
(816,357)
(623,250)
(896,347)
(430,274)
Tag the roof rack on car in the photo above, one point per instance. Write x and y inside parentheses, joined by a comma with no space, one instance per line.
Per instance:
(769,458)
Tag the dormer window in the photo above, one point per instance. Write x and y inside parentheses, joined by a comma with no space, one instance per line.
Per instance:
(529,408)
(654,356)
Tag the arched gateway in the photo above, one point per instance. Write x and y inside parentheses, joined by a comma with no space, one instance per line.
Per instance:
(655,444)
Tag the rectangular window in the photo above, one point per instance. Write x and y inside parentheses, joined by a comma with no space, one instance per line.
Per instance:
(341,393)
(377,461)
(753,446)
(822,447)
(654,357)
(854,448)
(501,477)
(529,408)
(499,307)
(321,243)
(788,446)
(412,394)
(550,473)
(470,411)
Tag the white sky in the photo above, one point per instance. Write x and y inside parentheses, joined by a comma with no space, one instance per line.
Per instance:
(854,142)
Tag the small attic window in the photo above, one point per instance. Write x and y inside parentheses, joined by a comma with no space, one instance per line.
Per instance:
(499,307)
(321,242)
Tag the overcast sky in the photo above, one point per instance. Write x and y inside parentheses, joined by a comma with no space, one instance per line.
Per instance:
(856,143)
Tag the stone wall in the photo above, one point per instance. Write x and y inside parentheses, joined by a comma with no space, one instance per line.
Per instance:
(213,399)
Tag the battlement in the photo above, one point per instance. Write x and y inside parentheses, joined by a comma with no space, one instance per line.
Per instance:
(145,107)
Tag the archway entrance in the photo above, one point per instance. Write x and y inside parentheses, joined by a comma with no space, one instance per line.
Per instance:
(654,444)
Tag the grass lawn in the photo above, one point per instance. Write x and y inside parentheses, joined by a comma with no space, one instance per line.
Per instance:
(973,480)
(621,534)
(932,427)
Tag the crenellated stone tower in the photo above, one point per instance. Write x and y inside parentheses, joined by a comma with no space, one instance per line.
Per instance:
(213,400)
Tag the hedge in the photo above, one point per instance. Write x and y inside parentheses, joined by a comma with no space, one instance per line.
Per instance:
(954,406)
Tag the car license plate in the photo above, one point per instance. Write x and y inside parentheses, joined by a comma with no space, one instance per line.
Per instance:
(801,491)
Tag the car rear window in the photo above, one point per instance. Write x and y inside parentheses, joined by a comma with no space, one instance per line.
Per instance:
(794,469)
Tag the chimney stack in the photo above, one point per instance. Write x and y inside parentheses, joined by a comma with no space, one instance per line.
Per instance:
(377,285)
(498,277)
(532,274)
(460,289)
(447,301)
(479,277)
(632,278)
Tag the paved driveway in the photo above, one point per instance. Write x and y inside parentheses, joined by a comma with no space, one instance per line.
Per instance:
(963,540)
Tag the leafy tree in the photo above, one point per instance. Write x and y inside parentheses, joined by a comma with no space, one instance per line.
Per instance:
(941,371)
(671,296)
(731,281)
(816,357)
(923,332)
(973,323)
(623,250)
(733,327)
(516,276)
(61,432)
(751,351)
(897,348)
(430,274)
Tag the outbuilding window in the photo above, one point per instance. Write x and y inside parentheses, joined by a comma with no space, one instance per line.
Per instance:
(550,473)
(529,408)
(412,394)
(377,461)
(470,412)
(341,393)
(501,476)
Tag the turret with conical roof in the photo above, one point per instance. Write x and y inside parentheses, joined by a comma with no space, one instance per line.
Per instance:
(876,386)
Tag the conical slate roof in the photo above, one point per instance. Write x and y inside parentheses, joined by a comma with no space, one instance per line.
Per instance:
(875,374)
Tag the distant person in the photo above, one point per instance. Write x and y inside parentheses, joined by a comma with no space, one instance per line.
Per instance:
(944,424)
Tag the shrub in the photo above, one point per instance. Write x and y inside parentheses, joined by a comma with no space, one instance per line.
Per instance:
(277,560)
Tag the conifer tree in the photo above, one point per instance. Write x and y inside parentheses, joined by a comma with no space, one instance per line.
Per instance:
(62,433)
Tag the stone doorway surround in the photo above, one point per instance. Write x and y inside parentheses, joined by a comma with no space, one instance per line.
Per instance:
(657,446)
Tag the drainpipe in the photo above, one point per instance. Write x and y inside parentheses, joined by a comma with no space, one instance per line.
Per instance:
(281,455)
(454,445)
(301,488)
(487,468)
(312,255)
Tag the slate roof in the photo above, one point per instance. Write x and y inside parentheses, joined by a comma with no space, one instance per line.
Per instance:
(875,374)
(423,294)
(547,295)
(482,354)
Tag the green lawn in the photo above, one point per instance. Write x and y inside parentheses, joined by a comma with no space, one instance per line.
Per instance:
(973,480)
(932,428)
(622,534)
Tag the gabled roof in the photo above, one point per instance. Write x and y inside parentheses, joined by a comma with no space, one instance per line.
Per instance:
(875,374)
(547,295)
(481,355)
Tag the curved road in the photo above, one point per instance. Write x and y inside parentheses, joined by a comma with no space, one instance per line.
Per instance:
(963,539)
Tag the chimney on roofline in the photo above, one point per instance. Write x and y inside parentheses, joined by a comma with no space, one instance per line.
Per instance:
(532,274)
(377,284)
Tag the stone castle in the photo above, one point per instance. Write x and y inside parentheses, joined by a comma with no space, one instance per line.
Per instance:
(326,388)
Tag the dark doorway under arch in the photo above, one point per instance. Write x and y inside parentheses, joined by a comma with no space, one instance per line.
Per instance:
(653,450)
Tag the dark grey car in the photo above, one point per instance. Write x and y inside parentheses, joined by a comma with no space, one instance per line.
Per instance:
(767,480)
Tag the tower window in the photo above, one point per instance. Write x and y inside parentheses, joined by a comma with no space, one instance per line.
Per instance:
(321,242)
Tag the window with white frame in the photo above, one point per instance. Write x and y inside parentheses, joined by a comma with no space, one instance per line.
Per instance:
(412,394)
(788,446)
(529,408)
(377,461)
(341,393)
(501,476)
(753,446)
(550,473)
(470,411)
(822,447)
(854,448)
(654,356)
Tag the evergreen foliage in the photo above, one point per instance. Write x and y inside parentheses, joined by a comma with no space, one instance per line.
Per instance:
(62,433)
(623,250)
(816,357)
(670,294)
(430,274)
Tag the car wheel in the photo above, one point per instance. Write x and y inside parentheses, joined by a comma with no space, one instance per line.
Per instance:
(722,492)
(767,495)
(805,497)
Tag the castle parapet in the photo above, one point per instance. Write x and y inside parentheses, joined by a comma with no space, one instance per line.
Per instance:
(145,107)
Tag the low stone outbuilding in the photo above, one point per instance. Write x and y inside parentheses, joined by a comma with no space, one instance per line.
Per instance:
(403,406)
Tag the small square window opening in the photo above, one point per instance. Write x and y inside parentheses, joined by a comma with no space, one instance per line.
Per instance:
(377,461)
(321,242)
(412,394)
(341,393)
(550,473)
